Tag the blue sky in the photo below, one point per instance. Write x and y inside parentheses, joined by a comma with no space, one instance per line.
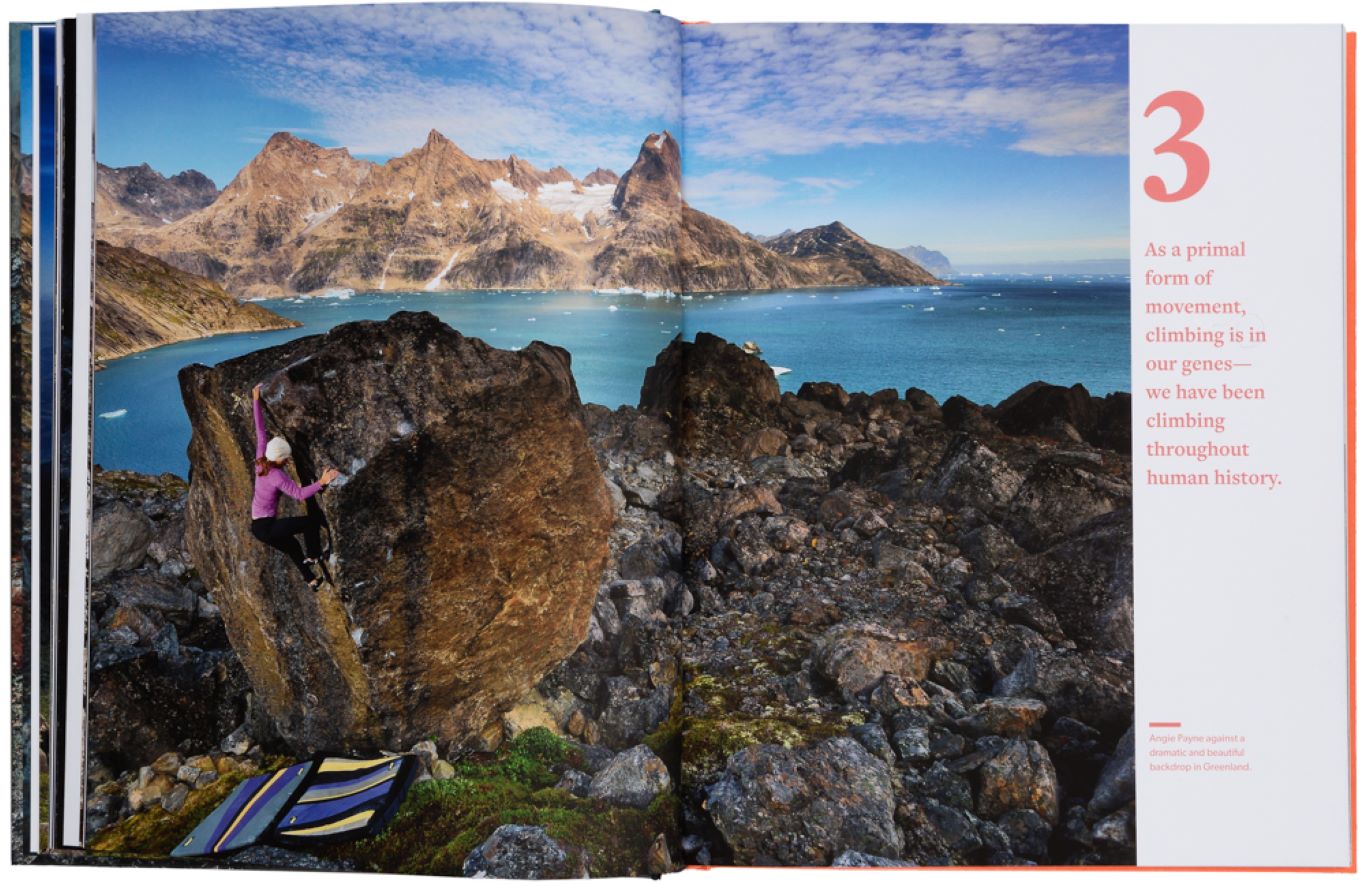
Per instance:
(574,85)
(992,143)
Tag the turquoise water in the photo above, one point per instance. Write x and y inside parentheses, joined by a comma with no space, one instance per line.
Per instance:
(984,339)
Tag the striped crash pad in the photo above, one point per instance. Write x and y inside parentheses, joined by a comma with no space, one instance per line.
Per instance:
(324,800)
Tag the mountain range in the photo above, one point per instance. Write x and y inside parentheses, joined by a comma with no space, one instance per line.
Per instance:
(931,260)
(301,218)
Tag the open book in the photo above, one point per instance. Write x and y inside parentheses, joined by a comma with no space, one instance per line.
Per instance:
(545,441)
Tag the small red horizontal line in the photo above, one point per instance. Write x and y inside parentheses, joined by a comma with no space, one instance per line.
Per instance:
(1159,725)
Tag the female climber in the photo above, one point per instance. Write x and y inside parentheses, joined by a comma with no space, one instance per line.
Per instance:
(271,480)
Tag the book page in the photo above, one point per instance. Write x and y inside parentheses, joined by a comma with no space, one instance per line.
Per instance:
(376,290)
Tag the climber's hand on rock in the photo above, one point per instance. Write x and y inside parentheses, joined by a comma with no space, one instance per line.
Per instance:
(329,475)
(256,392)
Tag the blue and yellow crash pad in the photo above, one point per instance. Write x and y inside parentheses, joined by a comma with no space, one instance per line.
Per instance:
(324,800)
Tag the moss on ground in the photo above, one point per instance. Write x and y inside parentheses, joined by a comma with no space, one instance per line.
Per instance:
(155,832)
(440,822)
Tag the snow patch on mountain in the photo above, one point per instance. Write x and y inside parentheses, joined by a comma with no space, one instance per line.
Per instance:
(560,197)
(507,191)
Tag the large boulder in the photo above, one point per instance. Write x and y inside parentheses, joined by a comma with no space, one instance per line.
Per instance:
(970,475)
(715,393)
(518,852)
(1044,410)
(1019,776)
(633,778)
(468,532)
(119,537)
(855,657)
(781,806)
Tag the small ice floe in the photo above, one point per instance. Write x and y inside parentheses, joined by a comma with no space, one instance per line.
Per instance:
(492,329)
(981,309)
(930,308)
(117,413)
(1000,329)
(530,319)
(613,307)
(780,370)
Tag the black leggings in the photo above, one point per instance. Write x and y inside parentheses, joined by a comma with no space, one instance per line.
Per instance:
(279,532)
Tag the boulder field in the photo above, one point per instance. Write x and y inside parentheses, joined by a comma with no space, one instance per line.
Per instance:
(766,627)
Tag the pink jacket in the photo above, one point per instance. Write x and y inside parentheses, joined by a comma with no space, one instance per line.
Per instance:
(266,497)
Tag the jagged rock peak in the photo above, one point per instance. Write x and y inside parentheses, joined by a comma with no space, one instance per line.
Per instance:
(600,176)
(655,177)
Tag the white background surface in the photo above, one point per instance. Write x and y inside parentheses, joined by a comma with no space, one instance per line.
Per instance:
(1292,715)
(1240,609)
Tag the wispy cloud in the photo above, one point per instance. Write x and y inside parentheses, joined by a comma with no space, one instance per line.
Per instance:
(565,84)
(741,189)
(825,188)
(732,188)
(759,91)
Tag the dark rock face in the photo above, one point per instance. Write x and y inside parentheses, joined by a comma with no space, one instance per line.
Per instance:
(805,807)
(162,677)
(1061,413)
(715,393)
(161,697)
(467,534)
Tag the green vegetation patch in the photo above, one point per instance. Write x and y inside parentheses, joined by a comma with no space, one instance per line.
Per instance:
(440,822)
(155,832)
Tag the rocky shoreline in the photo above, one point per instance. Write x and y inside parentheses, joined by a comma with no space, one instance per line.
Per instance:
(833,628)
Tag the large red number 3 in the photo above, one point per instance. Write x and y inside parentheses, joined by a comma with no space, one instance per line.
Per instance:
(1191,111)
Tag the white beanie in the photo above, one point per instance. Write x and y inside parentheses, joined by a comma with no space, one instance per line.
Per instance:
(277,449)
